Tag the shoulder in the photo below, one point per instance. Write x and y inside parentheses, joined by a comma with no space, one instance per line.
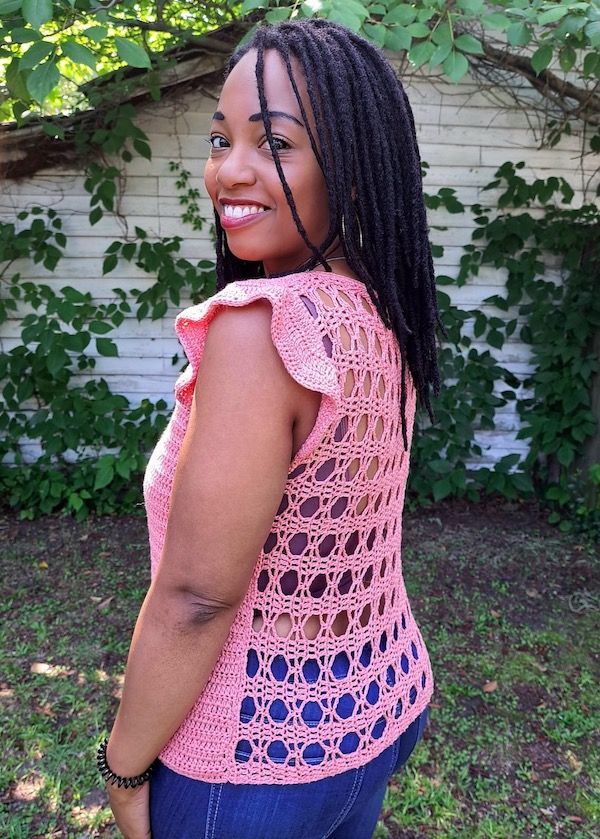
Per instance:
(240,351)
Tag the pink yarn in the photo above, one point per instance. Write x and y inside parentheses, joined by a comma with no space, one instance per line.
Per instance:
(329,576)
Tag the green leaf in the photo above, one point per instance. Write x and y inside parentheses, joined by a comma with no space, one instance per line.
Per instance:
(132,53)
(592,30)
(440,54)
(100,327)
(541,58)
(376,32)
(418,30)
(566,58)
(495,339)
(56,360)
(95,215)
(402,14)
(104,473)
(441,489)
(9,6)
(343,16)
(467,43)
(37,12)
(142,149)
(79,54)
(442,34)
(552,15)
(473,7)
(277,15)
(37,52)
(106,347)
(421,53)
(590,63)
(110,263)
(442,467)
(397,39)
(95,33)
(455,66)
(15,81)
(53,130)
(24,36)
(565,454)
(496,20)
(250,5)
(43,80)
(518,34)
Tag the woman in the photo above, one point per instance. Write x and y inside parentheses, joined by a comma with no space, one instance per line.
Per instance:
(276,669)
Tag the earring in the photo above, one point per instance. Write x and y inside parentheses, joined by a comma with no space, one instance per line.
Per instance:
(360,236)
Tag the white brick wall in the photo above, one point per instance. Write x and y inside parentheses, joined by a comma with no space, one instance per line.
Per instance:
(464,135)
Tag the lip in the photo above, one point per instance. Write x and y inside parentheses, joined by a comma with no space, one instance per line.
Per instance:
(233,223)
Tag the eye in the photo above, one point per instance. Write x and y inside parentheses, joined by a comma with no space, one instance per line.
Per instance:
(285,145)
(212,137)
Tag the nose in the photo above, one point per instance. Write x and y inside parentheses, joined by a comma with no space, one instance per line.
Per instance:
(235,168)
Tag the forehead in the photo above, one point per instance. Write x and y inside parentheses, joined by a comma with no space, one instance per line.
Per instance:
(240,87)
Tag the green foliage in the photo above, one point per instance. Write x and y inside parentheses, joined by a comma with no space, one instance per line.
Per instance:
(437,34)
(51,50)
(93,443)
(559,322)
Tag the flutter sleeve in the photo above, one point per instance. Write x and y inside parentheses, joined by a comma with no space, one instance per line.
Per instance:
(296,335)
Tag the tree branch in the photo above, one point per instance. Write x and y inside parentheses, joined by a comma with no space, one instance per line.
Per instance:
(548,84)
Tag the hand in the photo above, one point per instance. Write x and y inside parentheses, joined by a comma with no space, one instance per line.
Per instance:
(131,809)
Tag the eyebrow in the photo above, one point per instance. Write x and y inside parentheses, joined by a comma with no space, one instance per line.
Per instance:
(257,117)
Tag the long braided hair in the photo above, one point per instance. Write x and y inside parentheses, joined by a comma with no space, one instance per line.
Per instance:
(367,141)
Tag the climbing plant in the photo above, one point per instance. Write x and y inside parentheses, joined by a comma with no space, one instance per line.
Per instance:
(92,443)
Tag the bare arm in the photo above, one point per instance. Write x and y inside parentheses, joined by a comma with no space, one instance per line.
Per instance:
(228,484)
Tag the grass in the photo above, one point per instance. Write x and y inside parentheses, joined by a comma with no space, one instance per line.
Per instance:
(511,749)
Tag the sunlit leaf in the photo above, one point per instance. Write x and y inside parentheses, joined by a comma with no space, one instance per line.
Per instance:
(35,54)
(42,80)
(132,53)
(95,33)
(79,53)
(37,12)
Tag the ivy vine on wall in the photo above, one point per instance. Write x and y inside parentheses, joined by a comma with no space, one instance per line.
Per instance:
(93,443)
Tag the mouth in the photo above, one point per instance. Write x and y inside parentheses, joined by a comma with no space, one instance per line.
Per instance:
(237,215)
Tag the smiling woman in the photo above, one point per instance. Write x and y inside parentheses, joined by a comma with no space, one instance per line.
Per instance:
(240,170)
(277,677)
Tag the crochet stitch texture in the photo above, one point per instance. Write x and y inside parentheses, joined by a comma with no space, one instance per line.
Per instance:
(324,665)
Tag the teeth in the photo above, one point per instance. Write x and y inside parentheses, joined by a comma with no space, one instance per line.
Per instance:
(240,210)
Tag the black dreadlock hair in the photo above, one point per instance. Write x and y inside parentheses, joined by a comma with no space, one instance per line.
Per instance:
(368,142)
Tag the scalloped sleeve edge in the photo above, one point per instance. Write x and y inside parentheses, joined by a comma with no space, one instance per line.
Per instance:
(295,335)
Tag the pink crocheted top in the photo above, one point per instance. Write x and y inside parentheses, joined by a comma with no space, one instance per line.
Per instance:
(324,665)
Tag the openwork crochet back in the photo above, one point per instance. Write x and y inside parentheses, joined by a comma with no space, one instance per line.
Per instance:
(324,665)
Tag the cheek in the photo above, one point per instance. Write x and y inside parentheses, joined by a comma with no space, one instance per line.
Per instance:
(210,179)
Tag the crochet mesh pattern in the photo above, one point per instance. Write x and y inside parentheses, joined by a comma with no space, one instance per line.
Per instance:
(324,665)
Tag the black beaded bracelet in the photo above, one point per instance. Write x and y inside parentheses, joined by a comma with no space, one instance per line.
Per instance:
(112,778)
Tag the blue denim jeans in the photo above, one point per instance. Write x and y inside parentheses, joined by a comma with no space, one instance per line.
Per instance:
(343,806)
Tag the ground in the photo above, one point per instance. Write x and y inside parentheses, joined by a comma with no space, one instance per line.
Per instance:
(509,609)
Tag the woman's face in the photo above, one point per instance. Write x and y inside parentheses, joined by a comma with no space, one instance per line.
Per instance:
(241,168)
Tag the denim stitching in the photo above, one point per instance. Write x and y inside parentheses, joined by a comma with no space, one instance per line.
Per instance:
(211,821)
(395,750)
(350,803)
